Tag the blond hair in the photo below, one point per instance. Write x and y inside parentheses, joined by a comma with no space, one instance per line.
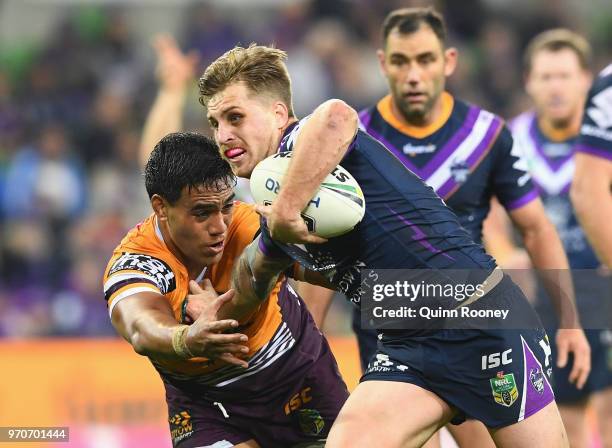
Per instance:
(556,40)
(261,68)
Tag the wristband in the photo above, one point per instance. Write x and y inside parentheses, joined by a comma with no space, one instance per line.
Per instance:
(179,343)
(267,245)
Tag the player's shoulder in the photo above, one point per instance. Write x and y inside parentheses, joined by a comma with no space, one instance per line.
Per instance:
(142,250)
(604,78)
(521,123)
(244,217)
(242,229)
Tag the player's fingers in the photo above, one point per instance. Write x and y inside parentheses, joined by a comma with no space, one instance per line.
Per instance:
(223,325)
(206,285)
(231,359)
(562,349)
(315,239)
(235,340)
(263,210)
(225,297)
(234,349)
(194,288)
(578,374)
(582,366)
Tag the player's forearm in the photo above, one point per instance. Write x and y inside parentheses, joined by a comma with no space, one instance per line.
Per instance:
(150,334)
(166,116)
(548,257)
(254,277)
(320,146)
(593,204)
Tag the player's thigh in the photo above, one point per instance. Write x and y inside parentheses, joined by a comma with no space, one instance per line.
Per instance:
(388,414)
(544,428)
(574,419)
(471,434)
(602,402)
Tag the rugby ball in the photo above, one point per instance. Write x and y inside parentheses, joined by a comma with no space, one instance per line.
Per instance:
(336,208)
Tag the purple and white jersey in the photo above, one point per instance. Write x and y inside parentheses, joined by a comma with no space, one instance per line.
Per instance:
(596,131)
(467,157)
(552,167)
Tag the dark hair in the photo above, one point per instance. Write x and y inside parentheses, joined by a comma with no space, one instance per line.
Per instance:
(186,159)
(556,40)
(409,20)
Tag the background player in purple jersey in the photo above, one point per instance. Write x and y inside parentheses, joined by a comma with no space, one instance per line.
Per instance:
(557,81)
(593,181)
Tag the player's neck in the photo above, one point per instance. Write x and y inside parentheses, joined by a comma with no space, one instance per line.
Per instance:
(559,132)
(431,122)
(275,147)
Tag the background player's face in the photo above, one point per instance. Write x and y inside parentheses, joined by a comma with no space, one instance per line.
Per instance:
(247,126)
(197,223)
(416,66)
(558,86)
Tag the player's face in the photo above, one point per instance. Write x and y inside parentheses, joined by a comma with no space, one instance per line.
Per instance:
(558,86)
(416,66)
(247,126)
(198,223)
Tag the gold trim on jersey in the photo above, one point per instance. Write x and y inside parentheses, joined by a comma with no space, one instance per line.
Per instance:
(385,109)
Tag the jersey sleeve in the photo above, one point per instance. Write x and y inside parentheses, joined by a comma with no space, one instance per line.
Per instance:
(596,130)
(131,273)
(511,181)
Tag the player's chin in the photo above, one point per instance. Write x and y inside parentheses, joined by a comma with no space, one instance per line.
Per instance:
(210,259)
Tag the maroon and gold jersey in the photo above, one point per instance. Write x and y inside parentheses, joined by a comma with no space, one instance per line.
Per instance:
(142,262)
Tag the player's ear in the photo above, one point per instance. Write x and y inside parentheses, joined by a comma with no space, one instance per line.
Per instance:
(380,53)
(281,114)
(450,60)
(159,207)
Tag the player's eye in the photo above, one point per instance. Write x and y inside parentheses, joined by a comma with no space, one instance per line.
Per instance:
(234,118)
(427,59)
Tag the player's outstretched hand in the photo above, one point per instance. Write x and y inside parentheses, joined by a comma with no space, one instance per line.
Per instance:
(175,69)
(287,228)
(205,336)
(574,341)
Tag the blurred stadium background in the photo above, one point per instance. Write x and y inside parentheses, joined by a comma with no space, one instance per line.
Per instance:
(76,81)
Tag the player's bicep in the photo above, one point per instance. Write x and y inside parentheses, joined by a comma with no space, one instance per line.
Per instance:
(530,216)
(130,313)
(592,174)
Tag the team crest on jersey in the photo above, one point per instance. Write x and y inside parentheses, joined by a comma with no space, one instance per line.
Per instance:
(504,389)
(151,266)
(311,422)
(460,171)
(537,380)
(181,426)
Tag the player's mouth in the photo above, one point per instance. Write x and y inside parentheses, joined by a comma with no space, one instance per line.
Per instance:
(415,97)
(216,248)
(234,154)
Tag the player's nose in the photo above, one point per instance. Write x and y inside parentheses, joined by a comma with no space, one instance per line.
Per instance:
(224,134)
